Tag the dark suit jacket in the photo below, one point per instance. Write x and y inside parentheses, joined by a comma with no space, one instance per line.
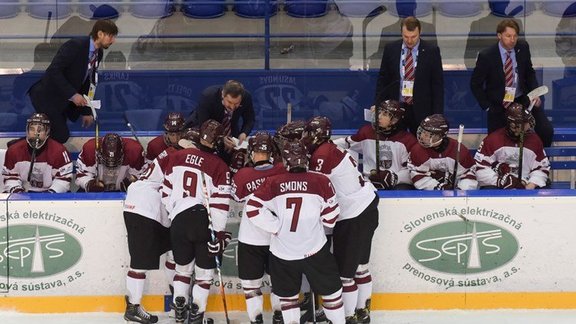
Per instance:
(488,84)
(210,107)
(62,79)
(428,81)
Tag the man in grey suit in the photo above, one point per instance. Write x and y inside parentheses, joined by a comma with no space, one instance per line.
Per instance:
(488,82)
(422,95)
(72,74)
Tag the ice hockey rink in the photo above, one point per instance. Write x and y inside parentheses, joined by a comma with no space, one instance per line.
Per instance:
(379,317)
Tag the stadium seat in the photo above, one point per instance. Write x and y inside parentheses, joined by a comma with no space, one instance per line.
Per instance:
(514,8)
(255,8)
(9,8)
(44,9)
(144,119)
(559,8)
(460,9)
(405,8)
(359,8)
(204,8)
(99,10)
(306,8)
(151,8)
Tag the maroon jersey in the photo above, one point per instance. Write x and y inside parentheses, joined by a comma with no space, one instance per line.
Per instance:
(52,168)
(498,147)
(429,167)
(244,183)
(156,146)
(132,164)
(295,207)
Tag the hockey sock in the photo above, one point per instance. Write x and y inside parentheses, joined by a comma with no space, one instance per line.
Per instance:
(201,288)
(290,309)
(364,282)
(135,280)
(169,267)
(275,301)
(254,299)
(333,307)
(349,295)
(181,281)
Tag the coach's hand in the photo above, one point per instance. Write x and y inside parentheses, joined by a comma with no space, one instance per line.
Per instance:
(218,245)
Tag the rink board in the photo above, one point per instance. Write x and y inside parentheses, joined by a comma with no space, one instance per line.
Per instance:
(465,250)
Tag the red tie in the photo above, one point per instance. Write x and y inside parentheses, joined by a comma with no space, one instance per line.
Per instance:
(409,71)
(92,65)
(226,122)
(508,75)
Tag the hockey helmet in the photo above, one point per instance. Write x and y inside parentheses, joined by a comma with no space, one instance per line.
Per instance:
(390,112)
(211,132)
(517,117)
(238,160)
(295,155)
(111,151)
(37,130)
(317,131)
(173,126)
(432,130)
(261,142)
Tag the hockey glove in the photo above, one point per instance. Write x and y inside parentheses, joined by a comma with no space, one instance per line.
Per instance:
(509,181)
(444,186)
(94,186)
(501,168)
(218,245)
(439,176)
(384,179)
(16,190)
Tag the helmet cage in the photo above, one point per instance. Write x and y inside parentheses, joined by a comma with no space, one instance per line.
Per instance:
(111,151)
(37,141)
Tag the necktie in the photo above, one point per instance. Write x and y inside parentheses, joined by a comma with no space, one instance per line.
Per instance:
(508,75)
(226,122)
(92,65)
(409,72)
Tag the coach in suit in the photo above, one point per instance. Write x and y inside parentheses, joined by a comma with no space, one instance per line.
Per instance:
(489,80)
(421,92)
(59,94)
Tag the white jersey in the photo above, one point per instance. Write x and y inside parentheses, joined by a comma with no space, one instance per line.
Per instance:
(185,171)
(143,196)
(295,207)
(354,193)
(244,183)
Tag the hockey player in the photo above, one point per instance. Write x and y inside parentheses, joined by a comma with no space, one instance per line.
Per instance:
(498,157)
(113,166)
(295,207)
(37,163)
(173,128)
(254,243)
(432,162)
(195,177)
(394,145)
(288,132)
(352,235)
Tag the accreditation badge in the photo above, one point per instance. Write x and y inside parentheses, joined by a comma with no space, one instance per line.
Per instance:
(509,94)
(407,88)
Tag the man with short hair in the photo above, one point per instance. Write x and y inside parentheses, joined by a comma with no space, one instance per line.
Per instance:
(72,74)
(411,73)
(504,75)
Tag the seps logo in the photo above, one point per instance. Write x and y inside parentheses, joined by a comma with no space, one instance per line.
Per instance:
(33,251)
(463,247)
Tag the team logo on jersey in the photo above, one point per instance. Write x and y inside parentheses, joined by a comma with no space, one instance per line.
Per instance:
(33,251)
(463,247)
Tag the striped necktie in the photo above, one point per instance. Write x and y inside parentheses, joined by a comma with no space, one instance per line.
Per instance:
(508,75)
(227,122)
(409,71)
(92,65)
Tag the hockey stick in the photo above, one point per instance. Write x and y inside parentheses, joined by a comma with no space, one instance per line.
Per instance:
(313,306)
(33,157)
(213,236)
(129,125)
(377,128)
(289,113)
(457,158)
(540,91)
(97,147)
(521,153)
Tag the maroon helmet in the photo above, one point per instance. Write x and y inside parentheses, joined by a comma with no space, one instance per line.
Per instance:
(261,142)
(319,129)
(432,130)
(394,110)
(238,160)
(211,132)
(516,118)
(174,122)
(36,140)
(295,154)
(292,130)
(111,151)
(192,134)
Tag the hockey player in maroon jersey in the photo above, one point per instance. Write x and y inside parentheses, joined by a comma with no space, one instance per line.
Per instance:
(254,243)
(113,167)
(195,177)
(148,228)
(173,127)
(352,235)
(295,207)
(288,132)
(394,148)
(37,163)
(432,162)
(498,156)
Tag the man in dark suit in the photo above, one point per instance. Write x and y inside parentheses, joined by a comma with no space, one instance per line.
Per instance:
(72,74)
(423,92)
(226,105)
(490,87)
